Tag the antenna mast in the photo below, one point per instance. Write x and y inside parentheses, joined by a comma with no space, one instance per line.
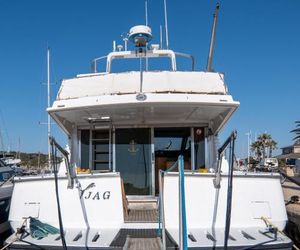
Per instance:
(166,24)
(212,39)
(146,19)
(160,37)
(49,100)
(146,12)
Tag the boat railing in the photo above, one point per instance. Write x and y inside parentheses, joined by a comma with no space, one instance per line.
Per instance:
(94,63)
(55,146)
(229,143)
(182,209)
(154,53)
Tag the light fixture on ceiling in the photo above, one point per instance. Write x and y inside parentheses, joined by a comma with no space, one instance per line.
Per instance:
(98,119)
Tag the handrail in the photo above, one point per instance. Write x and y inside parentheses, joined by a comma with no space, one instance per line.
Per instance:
(71,177)
(150,53)
(227,142)
(54,147)
(187,56)
(182,209)
(231,142)
(144,54)
(221,151)
(94,63)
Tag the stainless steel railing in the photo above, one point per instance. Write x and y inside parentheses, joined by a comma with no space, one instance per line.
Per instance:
(182,209)
(70,173)
(230,142)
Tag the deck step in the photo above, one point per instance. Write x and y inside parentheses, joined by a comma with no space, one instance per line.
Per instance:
(143,244)
(141,215)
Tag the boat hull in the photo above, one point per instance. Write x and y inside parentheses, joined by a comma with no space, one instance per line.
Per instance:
(5,198)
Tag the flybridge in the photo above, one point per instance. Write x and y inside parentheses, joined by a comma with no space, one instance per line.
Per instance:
(140,36)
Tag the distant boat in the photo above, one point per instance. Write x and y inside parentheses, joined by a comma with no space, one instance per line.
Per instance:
(6,186)
(11,161)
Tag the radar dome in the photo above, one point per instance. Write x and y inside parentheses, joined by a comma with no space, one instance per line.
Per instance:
(140,35)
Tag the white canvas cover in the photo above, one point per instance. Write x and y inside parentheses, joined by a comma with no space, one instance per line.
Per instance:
(153,82)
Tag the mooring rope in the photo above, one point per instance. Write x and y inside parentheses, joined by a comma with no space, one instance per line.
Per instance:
(268,222)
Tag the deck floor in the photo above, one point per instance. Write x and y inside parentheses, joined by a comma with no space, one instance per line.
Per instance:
(143,244)
(139,215)
(142,238)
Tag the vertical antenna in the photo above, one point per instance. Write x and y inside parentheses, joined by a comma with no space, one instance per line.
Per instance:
(212,39)
(146,12)
(125,40)
(146,19)
(166,24)
(114,46)
(19,148)
(160,36)
(49,100)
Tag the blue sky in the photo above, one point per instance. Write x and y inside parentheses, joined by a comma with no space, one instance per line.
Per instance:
(257,47)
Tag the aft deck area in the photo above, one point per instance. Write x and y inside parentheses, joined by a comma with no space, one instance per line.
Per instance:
(134,224)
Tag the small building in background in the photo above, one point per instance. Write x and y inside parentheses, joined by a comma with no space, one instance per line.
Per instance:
(291,155)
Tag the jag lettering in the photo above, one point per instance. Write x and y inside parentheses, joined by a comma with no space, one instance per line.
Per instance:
(90,195)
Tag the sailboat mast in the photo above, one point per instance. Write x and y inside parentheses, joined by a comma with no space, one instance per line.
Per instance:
(48,104)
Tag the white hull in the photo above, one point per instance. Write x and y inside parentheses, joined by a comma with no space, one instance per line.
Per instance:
(100,211)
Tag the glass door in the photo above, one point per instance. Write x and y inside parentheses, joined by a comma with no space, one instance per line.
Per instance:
(133,159)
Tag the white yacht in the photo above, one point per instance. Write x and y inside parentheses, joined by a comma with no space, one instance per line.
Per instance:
(145,170)
(6,187)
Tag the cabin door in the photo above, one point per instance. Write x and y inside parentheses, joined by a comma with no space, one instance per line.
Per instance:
(133,159)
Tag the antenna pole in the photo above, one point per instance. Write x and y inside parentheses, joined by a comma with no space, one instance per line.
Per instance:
(146,17)
(212,40)
(160,37)
(114,46)
(19,148)
(125,43)
(49,100)
(166,24)
(146,12)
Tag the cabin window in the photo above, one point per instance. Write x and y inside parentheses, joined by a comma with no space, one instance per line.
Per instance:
(96,149)
(85,145)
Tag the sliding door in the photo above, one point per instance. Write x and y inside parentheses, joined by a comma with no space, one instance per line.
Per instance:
(133,159)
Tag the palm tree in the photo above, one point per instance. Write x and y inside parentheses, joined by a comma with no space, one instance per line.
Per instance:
(296,131)
(263,142)
(256,148)
(271,146)
(264,139)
